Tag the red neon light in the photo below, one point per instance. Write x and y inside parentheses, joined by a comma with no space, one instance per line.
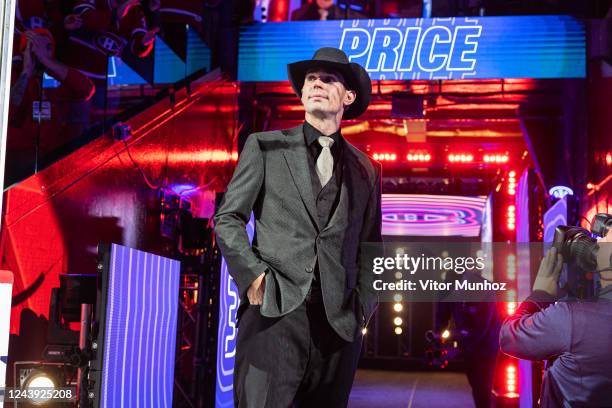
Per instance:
(496,158)
(279,10)
(385,156)
(511,217)
(418,157)
(511,379)
(512,183)
(460,158)
(511,308)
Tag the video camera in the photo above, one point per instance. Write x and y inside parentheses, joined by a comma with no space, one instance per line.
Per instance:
(577,245)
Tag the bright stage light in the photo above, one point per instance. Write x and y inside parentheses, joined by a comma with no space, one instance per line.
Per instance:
(445,334)
(511,217)
(511,379)
(41,380)
(560,191)
(398,307)
(418,157)
(397,321)
(398,330)
(495,158)
(37,380)
(511,182)
(460,158)
(385,156)
(511,308)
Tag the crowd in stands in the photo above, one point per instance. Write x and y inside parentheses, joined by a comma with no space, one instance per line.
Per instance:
(61,51)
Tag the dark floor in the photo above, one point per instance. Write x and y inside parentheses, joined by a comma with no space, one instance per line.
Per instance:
(397,389)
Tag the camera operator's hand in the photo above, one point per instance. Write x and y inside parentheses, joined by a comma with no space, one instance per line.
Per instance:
(548,274)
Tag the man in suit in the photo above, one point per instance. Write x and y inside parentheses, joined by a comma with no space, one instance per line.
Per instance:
(305,289)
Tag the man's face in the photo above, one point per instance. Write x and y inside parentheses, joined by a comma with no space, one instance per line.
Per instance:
(324,92)
(325,4)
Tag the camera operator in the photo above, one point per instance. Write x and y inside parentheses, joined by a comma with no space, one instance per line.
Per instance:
(576,336)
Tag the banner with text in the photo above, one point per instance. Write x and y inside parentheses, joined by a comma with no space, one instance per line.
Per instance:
(438,48)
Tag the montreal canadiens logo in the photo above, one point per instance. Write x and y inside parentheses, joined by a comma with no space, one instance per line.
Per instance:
(110,43)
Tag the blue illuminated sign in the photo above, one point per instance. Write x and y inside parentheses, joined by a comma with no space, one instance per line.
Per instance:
(438,48)
(138,330)
(228,332)
(560,191)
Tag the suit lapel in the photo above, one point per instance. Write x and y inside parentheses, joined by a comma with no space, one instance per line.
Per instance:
(295,156)
(354,186)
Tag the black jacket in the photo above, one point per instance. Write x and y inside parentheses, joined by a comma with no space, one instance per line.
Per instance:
(272,179)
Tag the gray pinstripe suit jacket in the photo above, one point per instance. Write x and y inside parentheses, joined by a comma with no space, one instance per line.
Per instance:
(272,179)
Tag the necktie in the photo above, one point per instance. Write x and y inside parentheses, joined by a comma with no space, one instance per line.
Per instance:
(325,161)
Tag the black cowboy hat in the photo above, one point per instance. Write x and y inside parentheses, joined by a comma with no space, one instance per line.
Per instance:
(355,76)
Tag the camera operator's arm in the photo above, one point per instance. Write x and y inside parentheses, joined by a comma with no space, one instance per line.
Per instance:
(539,330)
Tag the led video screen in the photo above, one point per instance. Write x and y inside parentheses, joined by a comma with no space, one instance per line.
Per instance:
(423,48)
(229,301)
(432,215)
(137,313)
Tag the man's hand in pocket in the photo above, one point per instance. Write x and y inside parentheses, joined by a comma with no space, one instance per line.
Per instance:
(255,292)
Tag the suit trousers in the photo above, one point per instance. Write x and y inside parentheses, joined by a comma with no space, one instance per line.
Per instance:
(293,360)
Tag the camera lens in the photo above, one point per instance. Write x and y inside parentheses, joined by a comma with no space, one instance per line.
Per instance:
(584,250)
(575,244)
(601,224)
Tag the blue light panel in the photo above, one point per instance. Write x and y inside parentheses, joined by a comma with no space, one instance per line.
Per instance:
(140,330)
(423,48)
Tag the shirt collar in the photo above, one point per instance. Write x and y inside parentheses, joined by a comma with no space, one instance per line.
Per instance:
(312,134)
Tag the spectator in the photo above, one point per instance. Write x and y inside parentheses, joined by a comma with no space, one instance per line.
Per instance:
(33,14)
(324,10)
(181,12)
(102,30)
(42,119)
